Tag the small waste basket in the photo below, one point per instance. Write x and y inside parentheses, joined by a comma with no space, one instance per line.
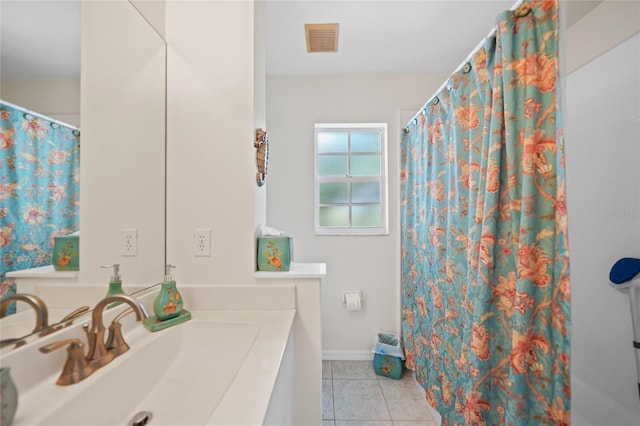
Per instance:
(388,355)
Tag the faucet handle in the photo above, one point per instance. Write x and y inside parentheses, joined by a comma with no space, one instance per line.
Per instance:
(57,345)
(115,340)
(76,367)
(98,355)
(68,319)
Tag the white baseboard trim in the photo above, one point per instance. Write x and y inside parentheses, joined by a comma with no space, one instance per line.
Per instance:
(347,355)
(598,408)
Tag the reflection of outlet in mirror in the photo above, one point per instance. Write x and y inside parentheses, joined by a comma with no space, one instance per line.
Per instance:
(202,242)
(129,242)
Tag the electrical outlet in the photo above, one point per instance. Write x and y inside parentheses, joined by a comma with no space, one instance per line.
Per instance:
(202,242)
(129,240)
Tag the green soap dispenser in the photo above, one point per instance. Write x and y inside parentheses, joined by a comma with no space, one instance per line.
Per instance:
(115,283)
(167,306)
(168,303)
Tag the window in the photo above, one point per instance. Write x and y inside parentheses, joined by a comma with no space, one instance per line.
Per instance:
(351,179)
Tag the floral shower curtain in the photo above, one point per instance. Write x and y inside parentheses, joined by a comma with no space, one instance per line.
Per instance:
(485,262)
(39,189)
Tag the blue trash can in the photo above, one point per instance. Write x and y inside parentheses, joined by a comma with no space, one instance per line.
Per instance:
(388,356)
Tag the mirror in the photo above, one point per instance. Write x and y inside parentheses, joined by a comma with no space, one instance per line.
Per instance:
(120,112)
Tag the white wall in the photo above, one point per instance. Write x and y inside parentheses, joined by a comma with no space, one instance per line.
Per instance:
(591,36)
(601,104)
(367,263)
(154,11)
(122,154)
(210,133)
(58,99)
(603,176)
(260,102)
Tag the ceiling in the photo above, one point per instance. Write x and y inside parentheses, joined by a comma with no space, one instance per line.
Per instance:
(41,39)
(392,36)
(378,36)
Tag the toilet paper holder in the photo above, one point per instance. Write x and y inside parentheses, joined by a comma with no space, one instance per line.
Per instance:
(358,294)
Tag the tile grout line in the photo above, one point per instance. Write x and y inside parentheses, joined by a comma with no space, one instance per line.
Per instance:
(333,397)
(384,398)
(379,379)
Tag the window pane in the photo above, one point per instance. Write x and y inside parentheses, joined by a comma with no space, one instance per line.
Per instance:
(365,165)
(332,165)
(368,192)
(333,193)
(366,216)
(334,216)
(332,142)
(365,142)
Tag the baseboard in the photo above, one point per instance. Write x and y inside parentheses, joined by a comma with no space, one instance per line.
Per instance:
(347,355)
(598,408)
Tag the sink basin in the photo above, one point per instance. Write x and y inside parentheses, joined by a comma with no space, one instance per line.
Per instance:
(174,388)
(219,368)
(178,374)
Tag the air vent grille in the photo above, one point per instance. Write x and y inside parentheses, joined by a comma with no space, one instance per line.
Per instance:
(321,37)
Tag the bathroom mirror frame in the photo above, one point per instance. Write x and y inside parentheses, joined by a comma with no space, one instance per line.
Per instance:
(146,13)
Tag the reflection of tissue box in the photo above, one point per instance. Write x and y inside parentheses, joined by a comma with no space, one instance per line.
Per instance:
(66,253)
(274,253)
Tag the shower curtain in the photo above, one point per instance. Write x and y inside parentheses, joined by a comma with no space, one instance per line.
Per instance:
(485,262)
(39,189)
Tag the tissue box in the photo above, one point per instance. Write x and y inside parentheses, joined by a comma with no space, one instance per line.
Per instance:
(66,253)
(274,253)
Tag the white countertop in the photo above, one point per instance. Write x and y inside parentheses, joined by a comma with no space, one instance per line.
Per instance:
(245,401)
(297,270)
(46,271)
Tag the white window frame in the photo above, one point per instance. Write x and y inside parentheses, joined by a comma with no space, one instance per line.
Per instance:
(383,229)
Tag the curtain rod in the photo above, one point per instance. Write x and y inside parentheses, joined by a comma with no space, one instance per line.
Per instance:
(37,114)
(462,64)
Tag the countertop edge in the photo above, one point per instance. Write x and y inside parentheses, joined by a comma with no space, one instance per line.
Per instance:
(296,270)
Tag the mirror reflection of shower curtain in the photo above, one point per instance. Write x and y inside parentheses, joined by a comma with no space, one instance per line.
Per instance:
(485,262)
(39,188)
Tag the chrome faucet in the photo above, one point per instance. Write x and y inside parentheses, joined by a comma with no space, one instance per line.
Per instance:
(98,355)
(38,305)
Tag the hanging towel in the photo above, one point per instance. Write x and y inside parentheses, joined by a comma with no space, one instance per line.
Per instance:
(624,270)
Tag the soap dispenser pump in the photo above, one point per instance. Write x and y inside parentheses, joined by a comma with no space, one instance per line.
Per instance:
(168,303)
(115,282)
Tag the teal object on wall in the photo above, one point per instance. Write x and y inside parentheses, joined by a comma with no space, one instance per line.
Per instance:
(274,253)
(66,253)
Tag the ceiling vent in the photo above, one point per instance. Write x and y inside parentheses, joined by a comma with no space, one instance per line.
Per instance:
(321,37)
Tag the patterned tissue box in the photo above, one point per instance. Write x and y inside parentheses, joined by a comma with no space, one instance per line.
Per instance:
(66,253)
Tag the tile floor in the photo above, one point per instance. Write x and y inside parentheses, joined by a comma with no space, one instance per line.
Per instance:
(353,395)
